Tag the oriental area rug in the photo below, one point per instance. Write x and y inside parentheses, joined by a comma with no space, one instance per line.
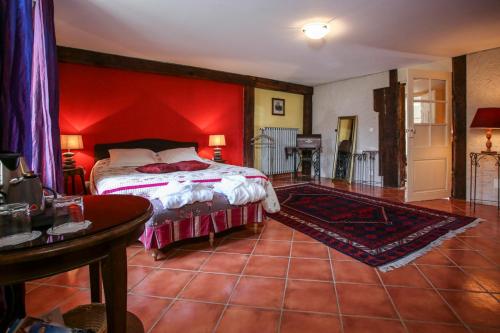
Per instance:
(377,232)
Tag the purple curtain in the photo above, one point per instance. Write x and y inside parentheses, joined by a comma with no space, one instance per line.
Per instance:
(29,96)
(16,48)
(46,145)
(16,41)
(29,104)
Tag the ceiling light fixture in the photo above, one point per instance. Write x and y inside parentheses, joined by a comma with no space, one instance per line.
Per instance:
(315,30)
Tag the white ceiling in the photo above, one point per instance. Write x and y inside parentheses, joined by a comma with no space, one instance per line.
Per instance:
(263,37)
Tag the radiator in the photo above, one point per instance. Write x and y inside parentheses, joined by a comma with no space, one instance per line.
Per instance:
(273,159)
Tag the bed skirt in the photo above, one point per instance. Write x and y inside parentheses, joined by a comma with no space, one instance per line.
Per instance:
(169,231)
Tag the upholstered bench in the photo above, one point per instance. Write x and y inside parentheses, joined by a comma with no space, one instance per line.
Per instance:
(197,220)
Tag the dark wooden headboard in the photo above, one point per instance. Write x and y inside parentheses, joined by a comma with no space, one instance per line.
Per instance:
(101,150)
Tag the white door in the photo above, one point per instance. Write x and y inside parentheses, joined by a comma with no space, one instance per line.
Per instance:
(428,128)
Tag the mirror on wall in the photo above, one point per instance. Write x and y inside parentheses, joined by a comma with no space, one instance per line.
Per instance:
(345,147)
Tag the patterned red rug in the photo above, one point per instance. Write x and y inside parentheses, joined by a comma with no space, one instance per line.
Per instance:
(378,232)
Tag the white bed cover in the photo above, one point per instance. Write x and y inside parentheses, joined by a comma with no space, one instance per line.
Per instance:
(126,180)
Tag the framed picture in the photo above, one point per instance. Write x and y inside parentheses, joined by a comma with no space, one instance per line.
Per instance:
(278,107)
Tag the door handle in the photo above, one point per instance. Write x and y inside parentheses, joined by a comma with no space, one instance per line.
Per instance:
(411,132)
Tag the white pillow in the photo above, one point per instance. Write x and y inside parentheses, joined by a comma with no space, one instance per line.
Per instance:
(131,157)
(178,155)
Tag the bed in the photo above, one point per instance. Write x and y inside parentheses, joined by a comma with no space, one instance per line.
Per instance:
(189,221)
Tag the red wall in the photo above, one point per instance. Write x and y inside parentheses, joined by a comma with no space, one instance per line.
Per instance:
(108,105)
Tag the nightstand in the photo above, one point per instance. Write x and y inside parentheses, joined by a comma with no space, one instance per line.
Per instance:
(71,173)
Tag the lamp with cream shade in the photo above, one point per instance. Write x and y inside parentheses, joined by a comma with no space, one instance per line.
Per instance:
(217,141)
(487,118)
(72,141)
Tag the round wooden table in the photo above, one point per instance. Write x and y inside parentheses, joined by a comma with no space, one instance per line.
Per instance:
(117,220)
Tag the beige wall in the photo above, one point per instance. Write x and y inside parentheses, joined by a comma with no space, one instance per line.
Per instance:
(483,90)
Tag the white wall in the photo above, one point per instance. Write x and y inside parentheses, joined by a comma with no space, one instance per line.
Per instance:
(355,97)
(483,90)
(352,97)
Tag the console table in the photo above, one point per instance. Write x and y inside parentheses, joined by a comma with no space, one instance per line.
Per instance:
(364,166)
(475,158)
(308,155)
(117,221)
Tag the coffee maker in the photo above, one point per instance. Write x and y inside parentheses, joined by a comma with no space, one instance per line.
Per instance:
(19,184)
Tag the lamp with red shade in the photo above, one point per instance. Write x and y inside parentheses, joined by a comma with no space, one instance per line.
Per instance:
(488,118)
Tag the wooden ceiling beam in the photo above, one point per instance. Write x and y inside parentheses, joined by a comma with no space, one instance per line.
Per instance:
(263,83)
(92,58)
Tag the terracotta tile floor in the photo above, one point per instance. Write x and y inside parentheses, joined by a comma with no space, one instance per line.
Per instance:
(280,280)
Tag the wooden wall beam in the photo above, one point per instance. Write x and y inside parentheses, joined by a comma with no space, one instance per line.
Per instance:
(307,114)
(379,106)
(459,123)
(393,78)
(391,138)
(92,58)
(402,161)
(391,133)
(248,124)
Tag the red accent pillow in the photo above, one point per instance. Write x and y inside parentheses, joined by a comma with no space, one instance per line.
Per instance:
(157,168)
(191,165)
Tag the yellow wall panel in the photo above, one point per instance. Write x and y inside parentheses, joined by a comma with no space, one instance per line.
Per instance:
(263,112)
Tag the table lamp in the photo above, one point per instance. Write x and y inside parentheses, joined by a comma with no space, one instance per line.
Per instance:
(73,141)
(217,141)
(488,118)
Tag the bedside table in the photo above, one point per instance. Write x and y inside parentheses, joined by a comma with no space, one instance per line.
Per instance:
(71,173)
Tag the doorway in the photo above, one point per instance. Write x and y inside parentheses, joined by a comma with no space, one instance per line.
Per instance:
(428,135)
